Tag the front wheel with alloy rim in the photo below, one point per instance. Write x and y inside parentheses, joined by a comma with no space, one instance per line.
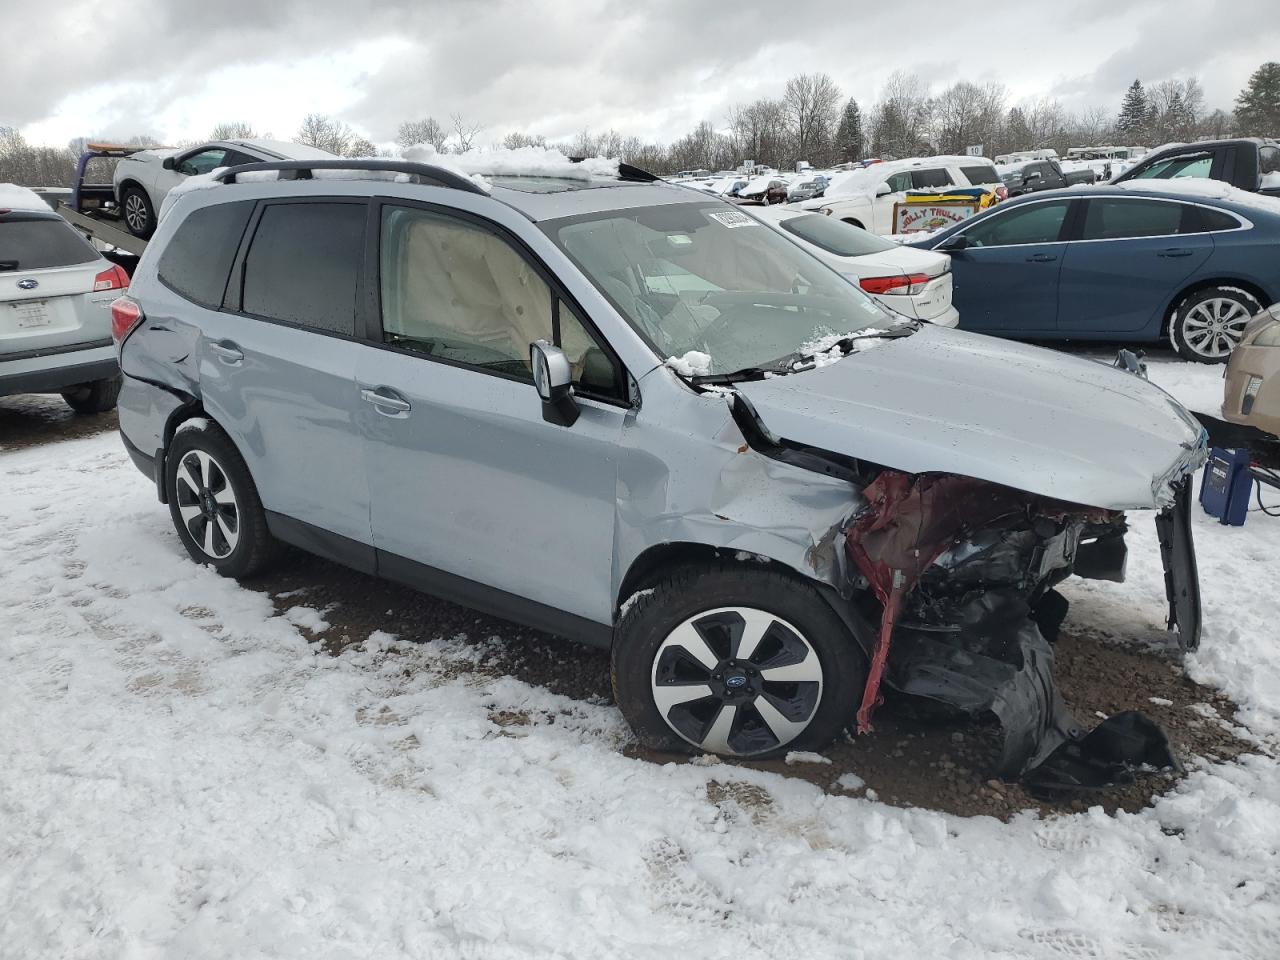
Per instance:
(139,216)
(214,504)
(1208,325)
(739,662)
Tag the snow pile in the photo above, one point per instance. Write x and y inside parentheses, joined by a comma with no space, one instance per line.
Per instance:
(184,775)
(522,162)
(14,197)
(1202,188)
(695,363)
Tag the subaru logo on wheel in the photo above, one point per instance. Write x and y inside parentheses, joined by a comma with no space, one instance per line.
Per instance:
(735,681)
(28,284)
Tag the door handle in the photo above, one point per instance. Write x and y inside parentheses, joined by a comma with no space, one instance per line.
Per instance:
(227,352)
(386,401)
(1041,258)
(1175,252)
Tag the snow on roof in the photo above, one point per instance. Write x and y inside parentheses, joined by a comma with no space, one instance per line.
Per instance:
(14,197)
(523,162)
(1202,188)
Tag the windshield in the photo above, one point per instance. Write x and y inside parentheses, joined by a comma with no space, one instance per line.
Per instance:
(708,279)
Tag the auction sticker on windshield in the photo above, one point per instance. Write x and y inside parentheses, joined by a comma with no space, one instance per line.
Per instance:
(732,218)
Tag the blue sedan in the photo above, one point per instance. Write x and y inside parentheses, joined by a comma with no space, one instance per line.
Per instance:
(1129,263)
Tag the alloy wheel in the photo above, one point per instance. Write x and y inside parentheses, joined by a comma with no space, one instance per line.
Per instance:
(135,212)
(1213,327)
(736,681)
(207,504)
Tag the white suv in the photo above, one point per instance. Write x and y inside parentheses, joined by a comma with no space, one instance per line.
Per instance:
(866,197)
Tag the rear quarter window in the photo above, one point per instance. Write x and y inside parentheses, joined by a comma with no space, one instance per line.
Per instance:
(197,259)
(33,243)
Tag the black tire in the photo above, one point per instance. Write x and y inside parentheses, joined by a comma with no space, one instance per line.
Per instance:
(645,662)
(1207,325)
(139,215)
(96,397)
(239,544)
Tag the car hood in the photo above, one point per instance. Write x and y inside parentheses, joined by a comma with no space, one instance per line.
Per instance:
(1025,417)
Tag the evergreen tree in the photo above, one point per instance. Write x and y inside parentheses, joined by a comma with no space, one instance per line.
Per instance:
(1258,106)
(1017,134)
(849,138)
(1135,113)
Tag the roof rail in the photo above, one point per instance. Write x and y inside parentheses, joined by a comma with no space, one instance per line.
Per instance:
(302,170)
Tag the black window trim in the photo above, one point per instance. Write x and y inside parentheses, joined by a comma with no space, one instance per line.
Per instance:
(1067,233)
(1078,237)
(369,305)
(233,298)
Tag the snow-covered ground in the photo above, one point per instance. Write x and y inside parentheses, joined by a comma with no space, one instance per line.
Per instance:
(182,773)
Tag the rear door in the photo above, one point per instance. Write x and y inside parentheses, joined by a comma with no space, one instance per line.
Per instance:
(1006,280)
(277,365)
(47,276)
(1132,256)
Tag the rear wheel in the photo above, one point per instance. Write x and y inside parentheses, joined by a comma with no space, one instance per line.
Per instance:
(139,216)
(214,504)
(737,662)
(1208,325)
(96,397)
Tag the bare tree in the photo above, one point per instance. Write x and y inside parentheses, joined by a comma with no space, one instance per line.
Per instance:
(325,133)
(233,130)
(413,132)
(465,131)
(515,140)
(811,104)
(966,114)
(900,124)
(361,147)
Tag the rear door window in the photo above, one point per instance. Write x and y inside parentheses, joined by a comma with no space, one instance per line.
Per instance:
(1118,218)
(981,174)
(923,179)
(37,242)
(303,262)
(1033,223)
(198,257)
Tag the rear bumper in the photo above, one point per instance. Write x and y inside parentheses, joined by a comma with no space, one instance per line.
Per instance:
(948,318)
(55,370)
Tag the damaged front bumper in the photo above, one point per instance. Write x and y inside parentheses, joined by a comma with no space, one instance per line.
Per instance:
(963,571)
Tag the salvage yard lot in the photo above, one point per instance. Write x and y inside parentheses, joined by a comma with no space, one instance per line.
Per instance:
(326,765)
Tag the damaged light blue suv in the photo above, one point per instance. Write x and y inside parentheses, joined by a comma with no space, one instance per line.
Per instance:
(624,412)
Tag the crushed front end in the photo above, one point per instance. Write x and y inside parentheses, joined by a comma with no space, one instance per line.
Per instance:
(959,573)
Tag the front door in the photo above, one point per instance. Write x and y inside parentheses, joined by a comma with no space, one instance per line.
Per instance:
(1006,279)
(471,488)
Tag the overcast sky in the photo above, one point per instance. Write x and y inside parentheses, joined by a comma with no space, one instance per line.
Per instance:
(653,68)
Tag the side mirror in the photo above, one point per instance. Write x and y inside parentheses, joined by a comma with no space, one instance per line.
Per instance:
(883,190)
(554,381)
(1031,176)
(168,163)
(953,244)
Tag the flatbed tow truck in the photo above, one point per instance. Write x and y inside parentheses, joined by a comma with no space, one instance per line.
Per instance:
(92,209)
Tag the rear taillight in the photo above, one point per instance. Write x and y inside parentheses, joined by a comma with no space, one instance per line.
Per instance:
(113,279)
(125,316)
(912,283)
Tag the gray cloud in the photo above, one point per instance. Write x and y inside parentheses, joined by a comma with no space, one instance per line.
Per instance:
(653,69)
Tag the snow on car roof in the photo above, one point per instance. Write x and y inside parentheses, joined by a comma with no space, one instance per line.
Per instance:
(14,197)
(536,162)
(1204,189)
